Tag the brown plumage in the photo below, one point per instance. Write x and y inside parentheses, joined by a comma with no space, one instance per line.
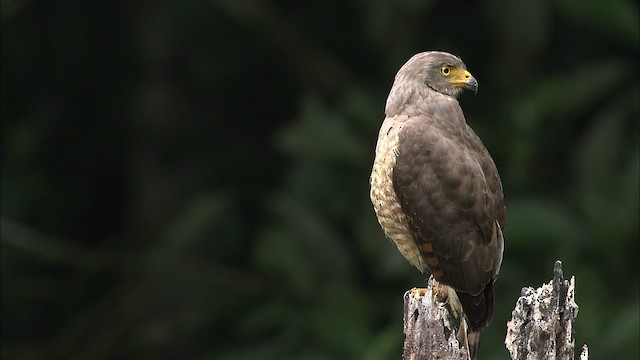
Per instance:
(435,189)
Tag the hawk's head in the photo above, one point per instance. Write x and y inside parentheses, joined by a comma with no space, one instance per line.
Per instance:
(441,71)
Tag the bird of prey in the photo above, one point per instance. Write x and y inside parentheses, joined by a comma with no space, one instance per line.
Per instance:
(436,190)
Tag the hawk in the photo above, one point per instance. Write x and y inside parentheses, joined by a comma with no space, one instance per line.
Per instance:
(436,190)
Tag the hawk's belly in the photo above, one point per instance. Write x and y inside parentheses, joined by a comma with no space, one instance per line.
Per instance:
(385,202)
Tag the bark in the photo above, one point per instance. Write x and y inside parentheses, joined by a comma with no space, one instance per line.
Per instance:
(428,328)
(542,323)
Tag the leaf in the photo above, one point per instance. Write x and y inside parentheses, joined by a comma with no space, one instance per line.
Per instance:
(541,224)
(320,134)
(618,18)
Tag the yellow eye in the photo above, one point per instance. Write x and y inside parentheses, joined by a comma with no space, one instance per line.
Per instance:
(445,70)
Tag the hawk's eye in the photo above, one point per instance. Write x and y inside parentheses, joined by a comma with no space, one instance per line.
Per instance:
(445,70)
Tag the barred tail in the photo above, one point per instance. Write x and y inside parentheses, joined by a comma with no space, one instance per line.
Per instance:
(478,309)
(478,312)
(473,337)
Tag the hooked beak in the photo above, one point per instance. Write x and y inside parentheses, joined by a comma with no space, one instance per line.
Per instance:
(466,81)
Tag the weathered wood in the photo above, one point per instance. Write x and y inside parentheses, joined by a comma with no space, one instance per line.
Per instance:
(584,355)
(542,323)
(428,328)
(541,328)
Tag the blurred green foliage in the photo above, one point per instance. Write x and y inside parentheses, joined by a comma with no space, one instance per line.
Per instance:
(189,179)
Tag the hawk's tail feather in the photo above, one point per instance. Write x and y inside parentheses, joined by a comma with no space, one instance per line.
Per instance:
(478,309)
(473,338)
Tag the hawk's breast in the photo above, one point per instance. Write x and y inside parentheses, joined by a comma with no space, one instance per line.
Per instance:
(392,219)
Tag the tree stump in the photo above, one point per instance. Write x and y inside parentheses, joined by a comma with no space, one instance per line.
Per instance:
(428,328)
(542,323)
(541,327)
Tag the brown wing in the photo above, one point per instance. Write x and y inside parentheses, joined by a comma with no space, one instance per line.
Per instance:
(449,188)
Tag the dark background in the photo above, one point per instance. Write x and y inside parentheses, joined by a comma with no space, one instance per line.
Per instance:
(189,179)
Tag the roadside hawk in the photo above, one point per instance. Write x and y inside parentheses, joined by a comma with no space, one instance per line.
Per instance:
(435,189)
